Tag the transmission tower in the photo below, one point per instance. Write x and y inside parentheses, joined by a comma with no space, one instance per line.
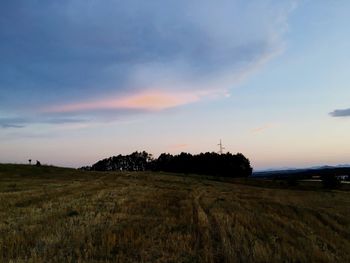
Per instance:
(221,151)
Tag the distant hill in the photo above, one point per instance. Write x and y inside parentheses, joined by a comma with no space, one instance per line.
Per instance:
(306,172)
(26,170)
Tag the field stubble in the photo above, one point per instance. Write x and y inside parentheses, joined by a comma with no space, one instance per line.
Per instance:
(61,215)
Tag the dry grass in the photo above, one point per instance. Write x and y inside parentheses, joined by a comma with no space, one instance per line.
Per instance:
(61,215)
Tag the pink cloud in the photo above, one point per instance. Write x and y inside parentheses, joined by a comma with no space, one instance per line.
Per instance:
(179,146)
(263,128)
(150,100)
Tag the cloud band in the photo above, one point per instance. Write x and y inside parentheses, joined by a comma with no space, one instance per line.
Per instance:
(340,113)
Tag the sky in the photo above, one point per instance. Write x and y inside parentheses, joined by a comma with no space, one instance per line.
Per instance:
(84,80)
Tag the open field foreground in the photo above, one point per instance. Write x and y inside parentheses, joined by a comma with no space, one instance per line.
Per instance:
(52,214)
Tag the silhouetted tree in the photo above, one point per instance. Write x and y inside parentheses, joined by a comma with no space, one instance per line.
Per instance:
(330,181)
(137,161)
(225,165)
(292,180)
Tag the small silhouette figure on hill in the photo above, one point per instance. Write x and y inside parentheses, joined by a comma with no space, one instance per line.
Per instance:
(38,163)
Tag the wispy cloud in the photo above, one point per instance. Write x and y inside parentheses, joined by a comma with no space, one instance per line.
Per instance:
(340,113)
(178,147)
(83,57)
(147,101)
(264,128)
(13,122)
(21,122)
(9,125)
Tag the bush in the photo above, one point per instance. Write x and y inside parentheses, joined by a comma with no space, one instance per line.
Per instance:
(330,181)
(292,181)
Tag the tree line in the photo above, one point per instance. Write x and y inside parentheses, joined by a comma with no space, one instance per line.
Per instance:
(209,163)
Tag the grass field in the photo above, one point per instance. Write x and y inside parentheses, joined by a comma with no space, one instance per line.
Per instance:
(52,214)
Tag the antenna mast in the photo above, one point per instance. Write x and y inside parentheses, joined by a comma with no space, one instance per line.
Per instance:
(221,151)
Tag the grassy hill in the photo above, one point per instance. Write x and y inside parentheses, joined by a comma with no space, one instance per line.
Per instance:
(50,214)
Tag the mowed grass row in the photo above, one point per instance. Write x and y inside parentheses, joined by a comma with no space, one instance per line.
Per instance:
(52,214)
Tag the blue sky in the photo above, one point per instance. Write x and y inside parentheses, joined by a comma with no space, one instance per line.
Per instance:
(83,80)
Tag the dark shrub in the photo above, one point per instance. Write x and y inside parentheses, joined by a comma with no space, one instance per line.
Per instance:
(72,213)
(292,181)
(330,181)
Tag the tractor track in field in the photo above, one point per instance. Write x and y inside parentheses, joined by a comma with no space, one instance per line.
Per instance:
(208,236)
